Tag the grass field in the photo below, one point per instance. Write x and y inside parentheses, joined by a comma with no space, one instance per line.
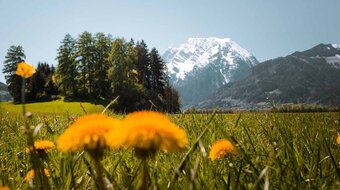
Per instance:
(54,107)
(274,150)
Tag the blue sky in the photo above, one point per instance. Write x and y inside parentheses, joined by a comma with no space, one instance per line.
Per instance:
(266,28)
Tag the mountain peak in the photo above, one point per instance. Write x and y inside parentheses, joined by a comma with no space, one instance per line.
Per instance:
(215,39)
(321,50)
(200,52)
(201,65)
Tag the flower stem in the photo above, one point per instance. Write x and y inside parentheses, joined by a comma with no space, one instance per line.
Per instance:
(36,163)
(23,101)
(100,174)
(145,174)
(27,128)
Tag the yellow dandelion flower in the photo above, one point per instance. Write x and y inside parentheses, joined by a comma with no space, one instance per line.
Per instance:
(25,70)
(41,146)
(89,132)
(30,175)
(338,139)
(5,188)
(221,148)
(151,131)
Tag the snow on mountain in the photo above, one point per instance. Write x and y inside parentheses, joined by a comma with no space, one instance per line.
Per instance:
(200,66)
(199,52)
(336,46)
(334,61)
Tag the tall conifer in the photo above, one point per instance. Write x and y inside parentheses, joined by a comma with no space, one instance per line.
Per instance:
(15,55)
(67,69)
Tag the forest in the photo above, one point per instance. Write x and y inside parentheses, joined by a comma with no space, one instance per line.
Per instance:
(97,68)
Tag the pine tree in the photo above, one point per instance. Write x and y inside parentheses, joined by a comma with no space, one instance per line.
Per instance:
(86,62)
(50,85)
(155,92)
(131,64)
(172,100)
(67,69)
(123,75)
(143,64)
(103,45)
(158,74)
(41,86)
(117,70)
(15,55)
(36,85)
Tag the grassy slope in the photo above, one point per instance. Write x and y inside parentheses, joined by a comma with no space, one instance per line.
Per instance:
(57,107)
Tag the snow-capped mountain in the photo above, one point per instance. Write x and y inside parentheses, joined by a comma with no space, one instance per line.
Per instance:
(201,65)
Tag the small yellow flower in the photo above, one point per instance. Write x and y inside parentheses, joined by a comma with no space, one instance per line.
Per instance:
(338,139)
(89,132)
(151,131)
(41,146)
(30,175)
(25,70)
(221,148)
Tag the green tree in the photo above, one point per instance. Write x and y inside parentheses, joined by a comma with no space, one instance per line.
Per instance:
(86,62)
(51,87)
(143,64)
(67,72)
(15,55)
(103,45)
(41,86)
(116,72)
(156,79)
(172,100)
(123,75)
(158,74)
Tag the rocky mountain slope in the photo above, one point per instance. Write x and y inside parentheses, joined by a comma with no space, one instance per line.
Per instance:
(311,76)
(4,94)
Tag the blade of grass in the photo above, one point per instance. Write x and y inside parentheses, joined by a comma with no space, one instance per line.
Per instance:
(192,148)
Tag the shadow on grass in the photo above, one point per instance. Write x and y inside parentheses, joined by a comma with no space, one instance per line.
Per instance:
(95,101)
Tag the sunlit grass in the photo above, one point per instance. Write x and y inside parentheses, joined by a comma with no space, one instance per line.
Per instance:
(282,151)
(54,107)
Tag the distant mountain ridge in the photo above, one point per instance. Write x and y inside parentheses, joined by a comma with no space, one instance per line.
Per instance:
(4,94)
(311,76)
(202,65)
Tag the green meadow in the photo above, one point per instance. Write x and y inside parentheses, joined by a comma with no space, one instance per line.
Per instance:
(274,151)
(54,107)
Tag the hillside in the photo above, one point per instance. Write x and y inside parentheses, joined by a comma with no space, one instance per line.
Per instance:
(4,94)
(311,76)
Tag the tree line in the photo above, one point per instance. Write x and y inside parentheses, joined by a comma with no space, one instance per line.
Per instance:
(98,67)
